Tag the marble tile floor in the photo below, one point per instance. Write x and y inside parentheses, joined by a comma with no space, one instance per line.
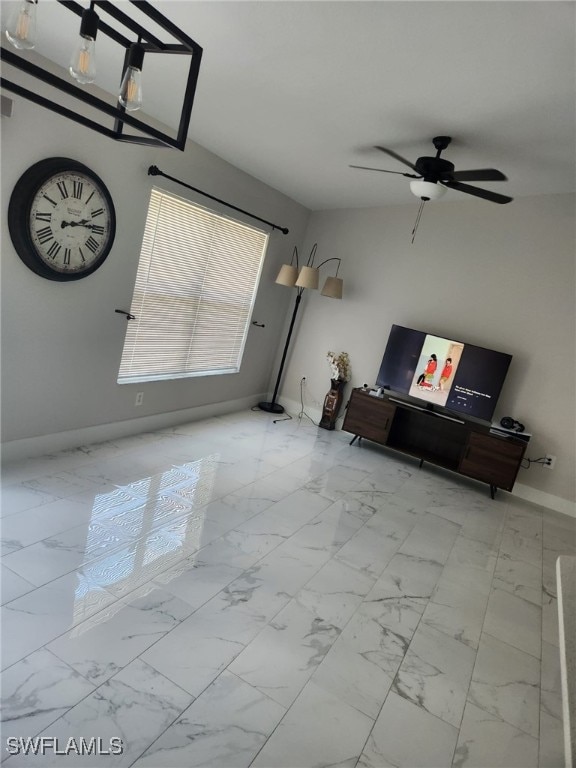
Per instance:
(234,592)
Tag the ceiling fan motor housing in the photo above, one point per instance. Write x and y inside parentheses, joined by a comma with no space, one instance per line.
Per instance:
(434,168)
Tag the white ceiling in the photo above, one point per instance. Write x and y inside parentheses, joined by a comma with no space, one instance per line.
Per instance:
(294,92)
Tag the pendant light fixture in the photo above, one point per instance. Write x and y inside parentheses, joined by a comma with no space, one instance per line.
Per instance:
(83,62)
(121,23)
(21,29)
(130,95)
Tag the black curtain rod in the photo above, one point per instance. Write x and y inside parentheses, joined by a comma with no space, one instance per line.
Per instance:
(155,171)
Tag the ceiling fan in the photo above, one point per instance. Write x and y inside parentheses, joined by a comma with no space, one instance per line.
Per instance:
(432,175)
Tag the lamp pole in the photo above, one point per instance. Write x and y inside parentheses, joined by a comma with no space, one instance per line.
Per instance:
(306,278)
(273,406)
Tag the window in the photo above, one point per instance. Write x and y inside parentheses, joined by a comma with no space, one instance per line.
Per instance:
(194,293)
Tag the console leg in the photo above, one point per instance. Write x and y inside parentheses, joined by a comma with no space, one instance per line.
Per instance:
(493,490)
(353,440)
(421,463)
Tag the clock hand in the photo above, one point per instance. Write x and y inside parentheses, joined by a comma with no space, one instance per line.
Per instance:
(81,223)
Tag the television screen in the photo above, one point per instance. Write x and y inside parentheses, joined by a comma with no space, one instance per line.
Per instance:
(443,372)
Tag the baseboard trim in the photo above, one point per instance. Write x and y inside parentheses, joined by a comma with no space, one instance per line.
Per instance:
(31,447)
(548,500)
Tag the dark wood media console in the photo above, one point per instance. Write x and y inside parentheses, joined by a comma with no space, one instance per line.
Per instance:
(461,445)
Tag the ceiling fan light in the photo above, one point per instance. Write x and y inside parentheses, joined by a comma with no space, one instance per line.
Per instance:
(427,190)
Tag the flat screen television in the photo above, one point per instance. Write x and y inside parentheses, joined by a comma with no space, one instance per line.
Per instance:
(443,372)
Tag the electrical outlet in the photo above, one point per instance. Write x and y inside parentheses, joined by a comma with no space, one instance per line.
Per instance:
(139,398)
(549,461)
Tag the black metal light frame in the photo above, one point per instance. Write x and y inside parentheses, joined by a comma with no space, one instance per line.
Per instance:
(151,44)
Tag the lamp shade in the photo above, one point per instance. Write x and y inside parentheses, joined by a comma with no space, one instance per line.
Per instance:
(308,278)
(333,287)
(288,275)
(427,190)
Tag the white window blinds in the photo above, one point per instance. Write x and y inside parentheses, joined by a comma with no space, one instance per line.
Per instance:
(194,292)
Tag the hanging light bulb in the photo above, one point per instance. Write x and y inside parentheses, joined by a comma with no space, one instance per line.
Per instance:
(130,95)
(83,61)
(21,30)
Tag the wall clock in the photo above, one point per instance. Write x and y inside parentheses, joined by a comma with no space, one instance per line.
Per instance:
(61,219)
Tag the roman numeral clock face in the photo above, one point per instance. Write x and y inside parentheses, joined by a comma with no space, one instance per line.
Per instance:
(61,219)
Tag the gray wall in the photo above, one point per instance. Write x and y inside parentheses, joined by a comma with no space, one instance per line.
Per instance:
(496,276)
(62,342)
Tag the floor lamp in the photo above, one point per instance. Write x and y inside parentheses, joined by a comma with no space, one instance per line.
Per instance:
(307,276)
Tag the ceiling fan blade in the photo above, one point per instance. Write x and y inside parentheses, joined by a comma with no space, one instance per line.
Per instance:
(477,192)
(397,157)
(383,170)
(480,174)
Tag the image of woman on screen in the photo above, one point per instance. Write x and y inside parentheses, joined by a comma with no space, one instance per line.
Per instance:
(426,379)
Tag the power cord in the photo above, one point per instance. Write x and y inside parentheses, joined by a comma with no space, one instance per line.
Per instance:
(302,411)
(287,416)
(544,461)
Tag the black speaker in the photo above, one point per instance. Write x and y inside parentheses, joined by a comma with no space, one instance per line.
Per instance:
(509,423)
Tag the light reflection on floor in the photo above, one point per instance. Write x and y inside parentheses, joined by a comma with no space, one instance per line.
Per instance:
(141,529)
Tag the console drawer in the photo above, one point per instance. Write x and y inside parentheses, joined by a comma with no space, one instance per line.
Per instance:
(369,417)
(492,459)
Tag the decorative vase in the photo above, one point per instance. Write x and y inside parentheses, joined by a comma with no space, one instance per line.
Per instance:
(332,403)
